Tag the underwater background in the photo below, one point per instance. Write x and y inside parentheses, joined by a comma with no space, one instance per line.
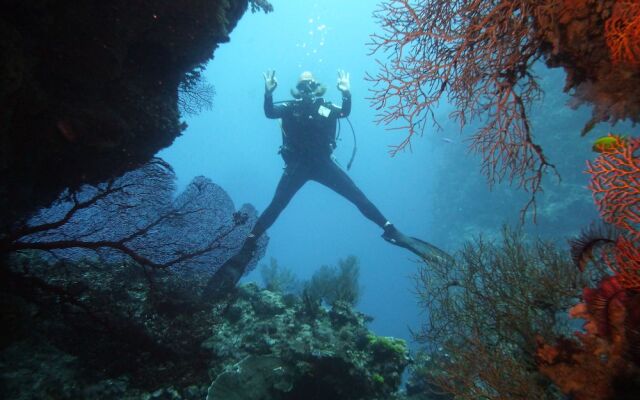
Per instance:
(236,146)
(491,322)
(434,191)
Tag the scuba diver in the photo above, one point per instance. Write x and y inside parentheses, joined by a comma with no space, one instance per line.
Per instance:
(308,140)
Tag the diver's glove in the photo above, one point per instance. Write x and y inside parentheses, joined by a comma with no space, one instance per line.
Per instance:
(343,81)
(270,81)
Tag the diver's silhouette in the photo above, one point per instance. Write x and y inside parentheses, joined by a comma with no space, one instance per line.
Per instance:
(308,140)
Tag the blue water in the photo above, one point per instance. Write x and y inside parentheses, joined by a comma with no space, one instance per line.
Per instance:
(434,192)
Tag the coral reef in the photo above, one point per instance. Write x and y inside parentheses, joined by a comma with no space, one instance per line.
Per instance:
(115,333)
(626,265)
(139,217)
(332,284)
(278,279)
(615,184)
(602,361)
(480,56)
(326,353)
(77,327)
(622,32)
(486,314)
(580,37)
(90,91)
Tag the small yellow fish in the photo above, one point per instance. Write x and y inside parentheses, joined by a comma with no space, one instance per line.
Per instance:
(608,143)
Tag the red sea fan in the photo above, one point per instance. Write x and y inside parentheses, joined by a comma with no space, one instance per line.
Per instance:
(615,183)
(600,363)
(627,263)
(622,32)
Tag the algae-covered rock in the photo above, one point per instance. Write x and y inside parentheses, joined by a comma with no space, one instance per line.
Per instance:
(329,355)
(102,331)
(115,332)
(251,379)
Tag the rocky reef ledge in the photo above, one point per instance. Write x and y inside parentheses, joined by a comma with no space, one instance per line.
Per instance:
(90,331)
(290,348)
(90,90)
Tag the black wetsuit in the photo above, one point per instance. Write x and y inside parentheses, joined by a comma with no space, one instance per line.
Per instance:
(309,131)
(308,136)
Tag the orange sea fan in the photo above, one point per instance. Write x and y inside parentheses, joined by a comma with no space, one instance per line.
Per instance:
(627,263)
(622,32)
(615,183)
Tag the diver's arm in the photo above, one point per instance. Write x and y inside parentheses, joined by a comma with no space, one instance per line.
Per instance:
(273,111)
(270,84)
(345,110)
(344,86)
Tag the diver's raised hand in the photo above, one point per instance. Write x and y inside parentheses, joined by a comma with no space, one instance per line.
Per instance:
(343,81)
(270,81)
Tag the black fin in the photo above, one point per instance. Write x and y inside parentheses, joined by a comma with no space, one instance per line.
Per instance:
(428,252)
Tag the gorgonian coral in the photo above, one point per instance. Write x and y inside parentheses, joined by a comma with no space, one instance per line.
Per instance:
(622,32)
(626,265)
(604,361)
(479,55)
(601,362)
(615,183)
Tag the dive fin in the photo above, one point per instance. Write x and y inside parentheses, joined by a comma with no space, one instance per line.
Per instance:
(424,250)
(429,252)
(227,276)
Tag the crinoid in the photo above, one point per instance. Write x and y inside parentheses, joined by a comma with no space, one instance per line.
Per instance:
(596,236)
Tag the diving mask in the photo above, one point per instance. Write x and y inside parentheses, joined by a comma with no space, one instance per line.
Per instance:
(307,86)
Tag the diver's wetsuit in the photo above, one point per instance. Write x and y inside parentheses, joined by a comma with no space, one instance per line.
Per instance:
(308,136)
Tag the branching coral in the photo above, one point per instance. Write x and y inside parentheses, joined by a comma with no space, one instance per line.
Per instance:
(486,311)
(622,32)
(627,263)
(138,217)
(478,55)
(333,284)
(195,94)
(279,279)
(615,183)
(603,363)
(600,363)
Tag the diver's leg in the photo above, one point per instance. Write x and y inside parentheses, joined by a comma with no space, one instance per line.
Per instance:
(232,270)
(330,175)
(291,181)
